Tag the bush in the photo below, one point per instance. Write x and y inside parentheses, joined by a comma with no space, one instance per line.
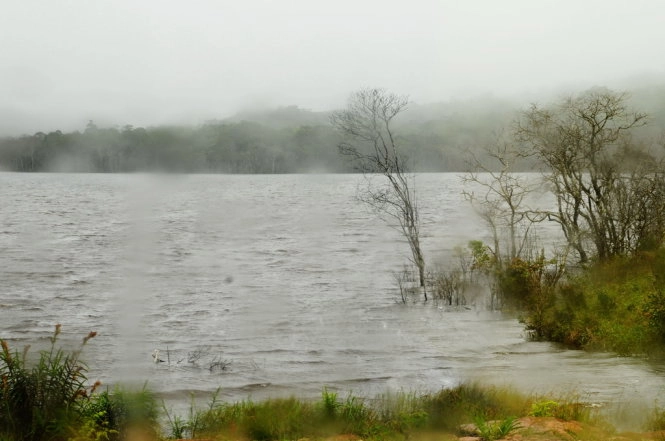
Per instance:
(617,305)
(530,286)
(112,414)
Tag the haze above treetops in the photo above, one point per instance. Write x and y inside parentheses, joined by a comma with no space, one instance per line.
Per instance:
(646,93)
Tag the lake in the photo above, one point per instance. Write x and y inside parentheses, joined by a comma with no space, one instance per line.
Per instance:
(262,285)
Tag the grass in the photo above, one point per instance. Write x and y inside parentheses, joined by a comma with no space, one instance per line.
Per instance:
(284,418)
(494,430)
(40,400)
(567,408)
(449,408)
(47,397)
(394,416)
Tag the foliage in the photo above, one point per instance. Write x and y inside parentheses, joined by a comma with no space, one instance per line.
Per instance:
(527,283)
(567,409)
(494,430)
(546,408)
(196,422)
(123,410)
(530,285)
(41,400)
(49,399)
(96,427)
(482,257)
(614,306)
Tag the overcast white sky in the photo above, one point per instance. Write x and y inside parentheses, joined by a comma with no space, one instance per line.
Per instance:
(149,62)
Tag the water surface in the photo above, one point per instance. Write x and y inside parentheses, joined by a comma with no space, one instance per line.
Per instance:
(287,281)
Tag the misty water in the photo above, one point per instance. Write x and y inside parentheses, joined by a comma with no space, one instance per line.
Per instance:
(285,281)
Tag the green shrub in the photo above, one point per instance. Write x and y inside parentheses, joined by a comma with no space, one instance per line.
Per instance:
(654,311)
(545,408)
(95,428)
(494,430)
(121,411)
(616,306)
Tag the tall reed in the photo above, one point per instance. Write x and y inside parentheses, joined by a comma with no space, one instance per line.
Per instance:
(41,400)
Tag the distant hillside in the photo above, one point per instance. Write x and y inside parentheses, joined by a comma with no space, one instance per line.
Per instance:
(281,117)
(435,137)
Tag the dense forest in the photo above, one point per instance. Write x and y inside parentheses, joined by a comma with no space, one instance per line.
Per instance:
(434,137)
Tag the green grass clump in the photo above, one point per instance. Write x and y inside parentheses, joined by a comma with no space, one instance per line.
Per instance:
(545,408)
(450,408)
(403,412)
(494,430)
(567,409)
(108,415)
(47,397)
(43,399)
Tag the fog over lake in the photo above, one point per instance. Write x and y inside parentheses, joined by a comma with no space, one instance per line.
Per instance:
(164,62)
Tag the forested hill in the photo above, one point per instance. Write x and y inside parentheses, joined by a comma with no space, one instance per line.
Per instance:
(434,137)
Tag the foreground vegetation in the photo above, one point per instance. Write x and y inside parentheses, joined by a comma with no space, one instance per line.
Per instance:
(47,397)
(610,206)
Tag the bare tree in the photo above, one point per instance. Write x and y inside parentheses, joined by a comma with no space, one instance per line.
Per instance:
(607,204)
(499,199)
(369,139)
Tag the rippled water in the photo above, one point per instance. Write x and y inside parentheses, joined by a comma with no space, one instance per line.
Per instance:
(285,280)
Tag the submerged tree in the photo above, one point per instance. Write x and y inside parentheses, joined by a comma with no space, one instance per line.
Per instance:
(370,141)
(499,199)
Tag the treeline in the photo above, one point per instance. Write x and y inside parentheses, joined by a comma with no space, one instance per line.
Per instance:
(286,140)
(244,147)
(438,137)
